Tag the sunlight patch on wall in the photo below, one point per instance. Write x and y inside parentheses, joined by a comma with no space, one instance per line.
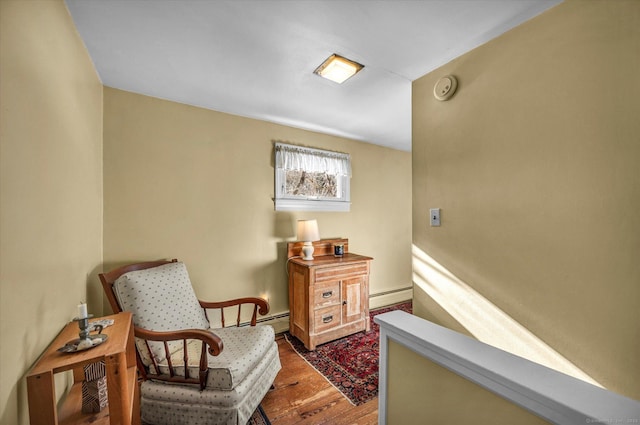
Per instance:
(483,319)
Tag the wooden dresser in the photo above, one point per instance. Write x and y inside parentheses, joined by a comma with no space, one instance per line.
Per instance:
(328,296)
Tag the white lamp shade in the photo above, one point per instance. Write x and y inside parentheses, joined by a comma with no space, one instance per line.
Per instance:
(308,230)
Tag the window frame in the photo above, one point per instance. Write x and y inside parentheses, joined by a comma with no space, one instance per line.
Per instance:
(284,202)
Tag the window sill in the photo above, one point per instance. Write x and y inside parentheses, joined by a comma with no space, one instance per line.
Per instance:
(311,205)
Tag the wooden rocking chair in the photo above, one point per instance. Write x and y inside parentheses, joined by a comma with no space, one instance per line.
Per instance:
(192,374)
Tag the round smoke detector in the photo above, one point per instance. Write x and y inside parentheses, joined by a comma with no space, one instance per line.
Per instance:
(445,87)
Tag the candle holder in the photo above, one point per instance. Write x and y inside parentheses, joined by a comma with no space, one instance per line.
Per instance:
(85,341)
(83,324)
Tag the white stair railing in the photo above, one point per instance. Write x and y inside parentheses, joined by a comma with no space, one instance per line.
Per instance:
(554,396)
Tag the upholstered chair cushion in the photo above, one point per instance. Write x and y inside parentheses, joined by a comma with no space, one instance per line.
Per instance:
(244,348)
(164,404)
(161,299)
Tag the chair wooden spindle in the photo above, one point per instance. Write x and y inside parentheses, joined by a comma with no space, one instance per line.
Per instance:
(168,356)
(204,366)
(186,358)
(222,316)
(153,358)
(238,318)
(254,316)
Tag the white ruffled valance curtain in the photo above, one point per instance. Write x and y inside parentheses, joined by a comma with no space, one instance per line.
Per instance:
(291,157)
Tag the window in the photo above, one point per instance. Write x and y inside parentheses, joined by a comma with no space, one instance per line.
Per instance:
(309,179)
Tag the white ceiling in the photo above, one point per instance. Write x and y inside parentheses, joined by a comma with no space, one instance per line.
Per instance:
(255,58)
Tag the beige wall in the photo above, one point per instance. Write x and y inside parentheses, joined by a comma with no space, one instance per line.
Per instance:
(446,398)
(50,187)
(196,184)
(179,181)
(534,163)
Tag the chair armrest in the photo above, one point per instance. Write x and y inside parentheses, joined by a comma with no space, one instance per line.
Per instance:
(259,305)
(260,302)
(212,340)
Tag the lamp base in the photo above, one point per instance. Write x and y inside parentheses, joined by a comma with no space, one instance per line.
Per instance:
(307,251)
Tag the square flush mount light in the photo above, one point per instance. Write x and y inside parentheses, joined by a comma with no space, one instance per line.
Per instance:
(338,69)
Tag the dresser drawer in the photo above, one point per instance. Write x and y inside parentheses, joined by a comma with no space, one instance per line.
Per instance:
(326,294)
(343,271)
(327,318)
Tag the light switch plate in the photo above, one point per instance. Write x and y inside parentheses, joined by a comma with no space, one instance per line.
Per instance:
(434,217)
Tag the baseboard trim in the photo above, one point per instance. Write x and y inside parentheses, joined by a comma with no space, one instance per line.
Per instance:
(395,296)
(280,321)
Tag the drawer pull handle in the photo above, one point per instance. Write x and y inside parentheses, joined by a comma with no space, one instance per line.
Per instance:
(327,294)
(327,319)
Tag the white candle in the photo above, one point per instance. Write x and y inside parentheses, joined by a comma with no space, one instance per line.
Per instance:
(82,311)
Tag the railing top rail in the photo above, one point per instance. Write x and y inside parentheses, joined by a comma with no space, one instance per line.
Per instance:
(559,398)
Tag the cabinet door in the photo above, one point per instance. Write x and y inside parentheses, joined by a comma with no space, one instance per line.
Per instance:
(353,300)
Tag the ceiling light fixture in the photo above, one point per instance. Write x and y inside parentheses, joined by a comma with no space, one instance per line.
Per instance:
(338,69)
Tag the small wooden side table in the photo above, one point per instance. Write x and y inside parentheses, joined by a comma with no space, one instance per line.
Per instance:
(118,353)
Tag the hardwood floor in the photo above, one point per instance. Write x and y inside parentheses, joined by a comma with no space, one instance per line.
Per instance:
(303,396)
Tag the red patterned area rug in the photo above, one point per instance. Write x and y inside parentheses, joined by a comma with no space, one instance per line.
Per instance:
(259,418)
(350,363)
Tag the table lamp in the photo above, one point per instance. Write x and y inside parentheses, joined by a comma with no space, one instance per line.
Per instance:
(308,232)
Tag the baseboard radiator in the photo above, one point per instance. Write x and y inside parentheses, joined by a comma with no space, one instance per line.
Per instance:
(280,321)
(551,395)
